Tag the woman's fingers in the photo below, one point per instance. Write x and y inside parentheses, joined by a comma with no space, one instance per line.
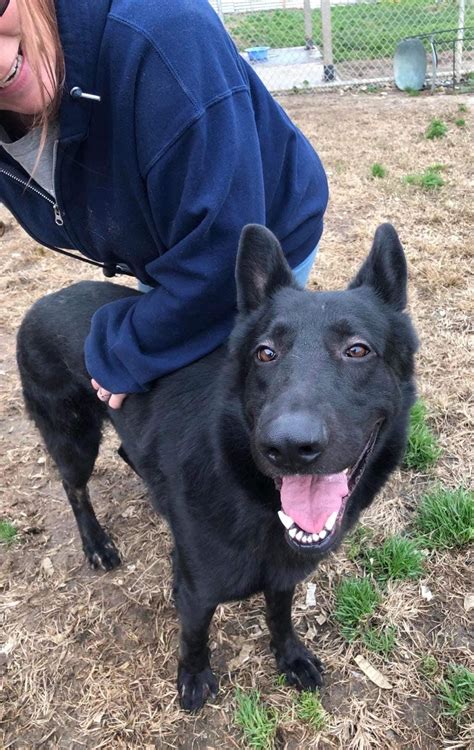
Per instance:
(114,400)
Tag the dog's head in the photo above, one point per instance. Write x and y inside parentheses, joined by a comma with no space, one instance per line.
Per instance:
(327,382)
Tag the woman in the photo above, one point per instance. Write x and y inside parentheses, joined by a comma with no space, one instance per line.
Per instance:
(181,146)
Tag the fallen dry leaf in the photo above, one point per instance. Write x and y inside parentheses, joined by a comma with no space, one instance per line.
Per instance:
(310,595)
(373,674)
(426,593)
(47,566)
(469,602)
(241,657)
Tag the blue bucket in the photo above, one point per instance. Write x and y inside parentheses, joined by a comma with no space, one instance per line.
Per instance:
(257,54)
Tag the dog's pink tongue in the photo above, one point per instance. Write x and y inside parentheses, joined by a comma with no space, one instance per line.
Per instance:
(310,500)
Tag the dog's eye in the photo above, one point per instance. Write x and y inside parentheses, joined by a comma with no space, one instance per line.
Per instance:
(357,351)
(265,354)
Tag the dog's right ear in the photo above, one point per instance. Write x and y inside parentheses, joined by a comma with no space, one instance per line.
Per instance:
(261,267)
(385,269)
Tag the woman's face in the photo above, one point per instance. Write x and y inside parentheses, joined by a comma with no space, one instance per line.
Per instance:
(21,90)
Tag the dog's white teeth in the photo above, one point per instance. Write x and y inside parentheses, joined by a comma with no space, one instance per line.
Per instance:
(299,536)
(316,537)
(329,525)
(292,532)
(346,471)
(286,520)
(322,534)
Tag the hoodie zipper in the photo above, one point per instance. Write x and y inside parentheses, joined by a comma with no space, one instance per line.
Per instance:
(58,219)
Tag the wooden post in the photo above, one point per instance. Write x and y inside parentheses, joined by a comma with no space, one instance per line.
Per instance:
(329,74)
(459,44)
(308,25)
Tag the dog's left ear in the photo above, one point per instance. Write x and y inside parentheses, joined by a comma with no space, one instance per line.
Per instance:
(261,267)
(385,269)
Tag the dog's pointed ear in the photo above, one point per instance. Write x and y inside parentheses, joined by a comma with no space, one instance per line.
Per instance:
(385,269)
(261,267)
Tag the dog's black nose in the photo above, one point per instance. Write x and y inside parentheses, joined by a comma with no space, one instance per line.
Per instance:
(293,440)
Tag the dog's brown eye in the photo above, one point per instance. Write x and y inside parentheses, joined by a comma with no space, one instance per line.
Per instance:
(265,354)
(357,351)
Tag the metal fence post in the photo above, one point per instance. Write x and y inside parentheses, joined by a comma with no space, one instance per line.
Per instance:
(329,74)
(458,51)
(308,25)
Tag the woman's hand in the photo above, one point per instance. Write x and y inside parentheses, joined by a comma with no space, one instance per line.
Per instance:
(114,400)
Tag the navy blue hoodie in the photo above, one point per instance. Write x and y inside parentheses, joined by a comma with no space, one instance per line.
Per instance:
(185,147)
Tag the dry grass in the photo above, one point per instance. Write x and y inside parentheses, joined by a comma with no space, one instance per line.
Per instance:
(88,660)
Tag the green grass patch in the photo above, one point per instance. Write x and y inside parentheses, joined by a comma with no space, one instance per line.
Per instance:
(257,721)
(422,447)
(412,92)
(7,532)
(363,31)
(309,709)
(356,600)
(429,666)
(460,122)
(377,170)
(463,108)
(397,559)
(357,541)
(457,691)
(436,129)
(430,179)
(445,518)
(380,640)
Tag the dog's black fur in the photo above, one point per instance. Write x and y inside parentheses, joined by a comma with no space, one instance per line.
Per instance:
(307,384)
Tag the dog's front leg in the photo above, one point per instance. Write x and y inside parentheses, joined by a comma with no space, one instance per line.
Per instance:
(294,660)
(195,678)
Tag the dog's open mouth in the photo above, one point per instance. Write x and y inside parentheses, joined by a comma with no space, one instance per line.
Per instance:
(313,505)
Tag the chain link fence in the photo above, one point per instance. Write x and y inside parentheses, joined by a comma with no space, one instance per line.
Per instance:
(302,44)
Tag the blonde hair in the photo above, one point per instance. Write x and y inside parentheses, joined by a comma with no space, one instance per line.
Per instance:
(42,45)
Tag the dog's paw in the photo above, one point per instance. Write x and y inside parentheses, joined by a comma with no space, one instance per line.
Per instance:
(194,689)
(300,667)
(102,554)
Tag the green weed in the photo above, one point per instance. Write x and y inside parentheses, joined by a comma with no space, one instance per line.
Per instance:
(430,179)
(356,599)
(257,721)
(457,691)
(380,640)
(411,92)
(445,518)
(309,709)
(377,170)
(460,122)
(463,108)
(422,447)
(7,532)
(436,129)
(396,559)
(357,541)
(429,666)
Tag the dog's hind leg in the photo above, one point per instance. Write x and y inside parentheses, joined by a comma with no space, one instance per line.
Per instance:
(300,667)
(70,423)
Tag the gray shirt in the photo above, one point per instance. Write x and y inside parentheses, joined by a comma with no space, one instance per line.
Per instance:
(25,152)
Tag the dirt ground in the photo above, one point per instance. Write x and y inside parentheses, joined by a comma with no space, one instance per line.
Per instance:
(88,660)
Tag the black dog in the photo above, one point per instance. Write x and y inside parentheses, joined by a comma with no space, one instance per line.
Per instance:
(261,455)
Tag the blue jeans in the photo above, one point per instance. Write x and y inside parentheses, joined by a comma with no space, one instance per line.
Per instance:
(301,272)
